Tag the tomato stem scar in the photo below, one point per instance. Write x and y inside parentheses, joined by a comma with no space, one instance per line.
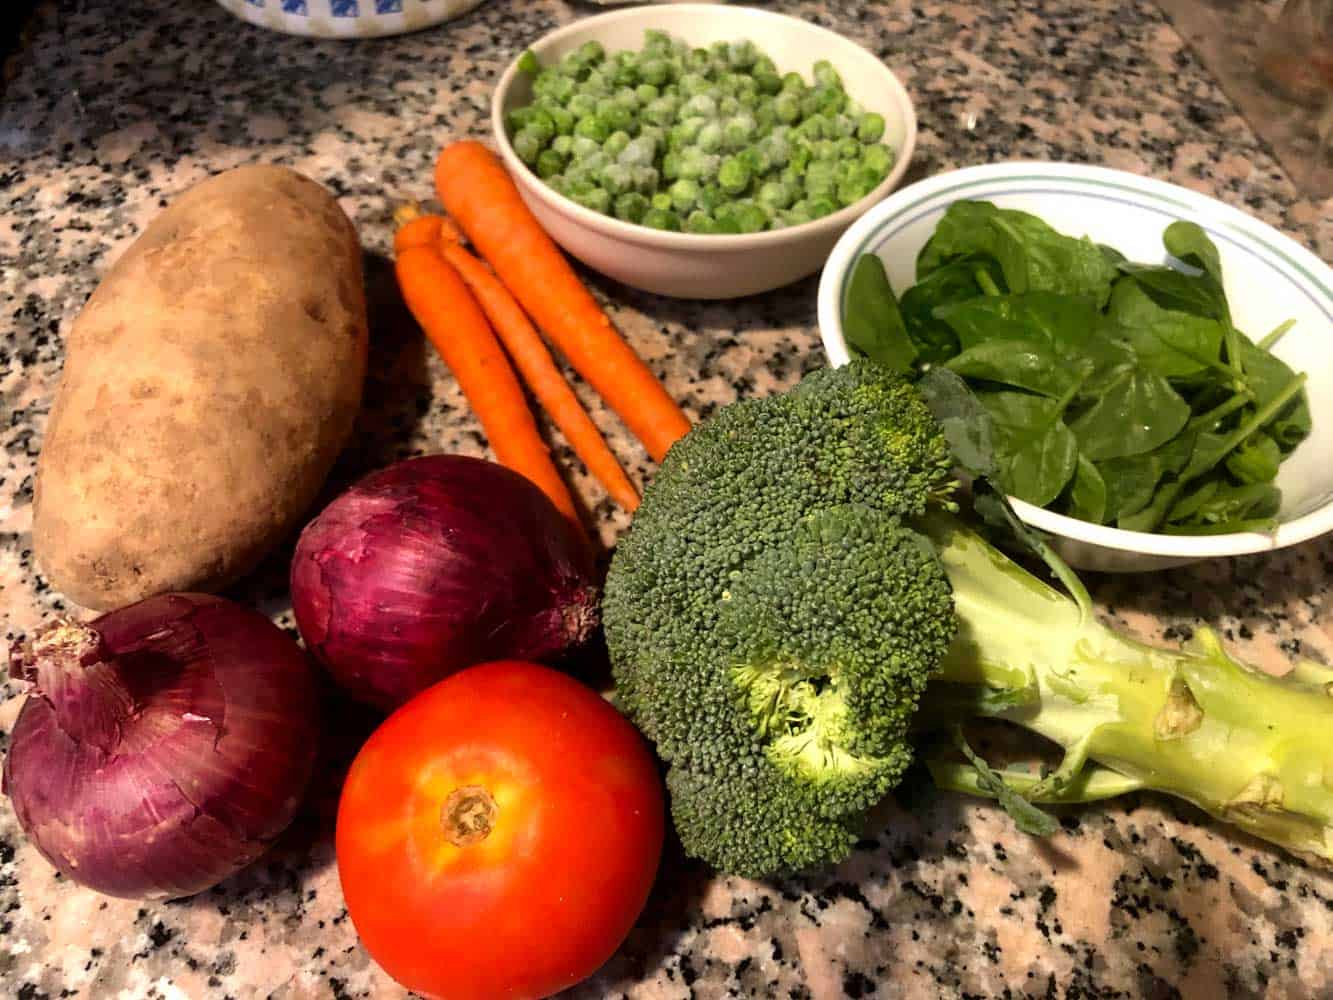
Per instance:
(468,815)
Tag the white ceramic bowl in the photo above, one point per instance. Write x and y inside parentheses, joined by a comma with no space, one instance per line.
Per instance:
(347,18)
(1268,278)
(687,265)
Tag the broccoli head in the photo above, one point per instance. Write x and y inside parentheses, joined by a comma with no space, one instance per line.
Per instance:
(773,623)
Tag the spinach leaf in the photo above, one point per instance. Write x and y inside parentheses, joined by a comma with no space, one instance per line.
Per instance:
(1187,242)
(954,282)
(871,320)
(1136,412)
(1173,344)
(1132,481)
(1255,461)
(1219,505)
(965,422)
(1024,364)
(1032,255)
(1268,377)
(1063,322)
(1180,292)
(1036,452)
(1087,493)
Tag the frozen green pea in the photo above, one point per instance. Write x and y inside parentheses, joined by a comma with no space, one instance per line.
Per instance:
(878,158)
(733,175)
(700,222)
(661,111)
(527,145)
(660,218)
(630,206)
(702,105)
(825,74)
(853,188)
(826,149)
(821,179)
(627,98)
(596,199)
(617,178)
(768,83)
(685,132)
(564,145)
(737,131)
(832,102)
(710,137)
(582,105)
(711,197)
(777,149)
(656,71)
(625,74)
(822,206)
(572,66)
(841,126)
(698,60)
(751,218)
(764,64)
(616,117)
(639,153)
(541,125)
(661,200)
(657,41)
(615,144)
(787,107)
(597,83)
(563,120)
(728,106)
(646,93)
(591,52)
(593,127)
(756,160)
(800,158)
(742,54)
(724,219)
(549,163)
(528,63)
(774,194)
(518,117)
(557,183)
(595,163)
(692,83)
(646,179)
(698,165)
(871,127)
(793,83)
(684,194)
(583,146)
(657,134)
(671,164)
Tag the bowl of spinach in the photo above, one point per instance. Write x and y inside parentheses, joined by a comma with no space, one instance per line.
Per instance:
(1153,367)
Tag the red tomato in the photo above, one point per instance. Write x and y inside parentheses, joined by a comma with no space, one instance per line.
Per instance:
(498,834)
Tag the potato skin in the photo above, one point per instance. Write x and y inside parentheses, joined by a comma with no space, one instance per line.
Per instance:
(209,384)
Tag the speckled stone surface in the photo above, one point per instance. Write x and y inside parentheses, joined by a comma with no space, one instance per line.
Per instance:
(112,108)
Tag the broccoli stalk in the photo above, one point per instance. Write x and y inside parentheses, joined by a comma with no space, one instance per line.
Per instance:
(1244,746)
(797,604)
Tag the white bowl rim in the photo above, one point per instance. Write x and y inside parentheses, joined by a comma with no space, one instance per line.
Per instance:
(1301,529)
(610,226)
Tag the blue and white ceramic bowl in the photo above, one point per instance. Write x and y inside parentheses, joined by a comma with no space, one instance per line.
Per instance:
(1268,277)
(347,18)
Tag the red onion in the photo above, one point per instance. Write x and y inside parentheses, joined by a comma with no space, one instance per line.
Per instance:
(164,745)
(432,565)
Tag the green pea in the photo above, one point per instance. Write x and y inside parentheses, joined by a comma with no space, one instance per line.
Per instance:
(871,127)
(787,107)
(549,163)
(825,75)
(595,198)
(541,125)
(712,197)
(768,83)
(574,67)
(710,138)
(774,194)
(698,61)
(527,145)
(662,111)
(822,206)
(584,147)
(646,179)
(756,160)
(528,63)
(728,106)
(657,41)
(591,51)
(617,178)
(700,105)
(800,159)
(658,218)
(685,133)
(563,119)
(737,131)
(849,148)
(821,179)
(631,206)
(684,194)
(724,219)
(751,218)
(700,222)
(593,127)
(671,164)
(852,189)
(733,176)
(763,64)
(615,144)
(518,117)
(647,93)
(564,145)
(656,71)
(582,105)
(742,54)
(793,83)
(878,158)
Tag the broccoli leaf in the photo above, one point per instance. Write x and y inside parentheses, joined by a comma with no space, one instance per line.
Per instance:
(1027,817)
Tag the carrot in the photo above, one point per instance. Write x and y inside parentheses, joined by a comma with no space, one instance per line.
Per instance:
(534,363)
(416,229)
(455,324)
(483,200)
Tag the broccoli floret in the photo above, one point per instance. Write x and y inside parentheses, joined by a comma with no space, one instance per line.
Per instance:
(796,604)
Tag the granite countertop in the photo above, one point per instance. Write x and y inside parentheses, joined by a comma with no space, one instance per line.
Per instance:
(112,108)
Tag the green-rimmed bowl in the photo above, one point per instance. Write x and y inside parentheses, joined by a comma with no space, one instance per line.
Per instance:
(1269,278)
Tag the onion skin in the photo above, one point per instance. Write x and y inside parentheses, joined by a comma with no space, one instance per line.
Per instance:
(165,746)
(433,565)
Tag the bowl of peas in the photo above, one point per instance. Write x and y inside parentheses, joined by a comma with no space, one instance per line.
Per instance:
(701,151)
